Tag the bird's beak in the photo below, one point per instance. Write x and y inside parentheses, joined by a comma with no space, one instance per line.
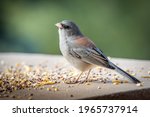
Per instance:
(59,25)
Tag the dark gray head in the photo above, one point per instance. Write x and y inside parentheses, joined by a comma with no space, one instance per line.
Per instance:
(69,28)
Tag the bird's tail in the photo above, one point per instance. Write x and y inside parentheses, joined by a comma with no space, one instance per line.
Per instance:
(122,72)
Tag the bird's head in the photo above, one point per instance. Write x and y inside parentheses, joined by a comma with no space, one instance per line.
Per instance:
(68,28)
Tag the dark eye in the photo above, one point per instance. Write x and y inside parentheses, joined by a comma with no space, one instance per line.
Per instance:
(66,27)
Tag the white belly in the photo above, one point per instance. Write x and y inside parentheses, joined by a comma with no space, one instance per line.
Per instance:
(76,62)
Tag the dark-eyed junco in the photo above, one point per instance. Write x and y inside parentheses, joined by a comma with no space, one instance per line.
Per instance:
(82,53)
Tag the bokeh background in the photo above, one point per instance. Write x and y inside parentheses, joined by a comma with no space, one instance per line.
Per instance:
(121,28)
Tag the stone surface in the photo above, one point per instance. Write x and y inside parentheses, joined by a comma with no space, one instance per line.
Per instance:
(91,90)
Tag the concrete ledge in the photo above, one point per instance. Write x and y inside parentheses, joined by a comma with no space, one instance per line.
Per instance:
(91,90)
(143,94)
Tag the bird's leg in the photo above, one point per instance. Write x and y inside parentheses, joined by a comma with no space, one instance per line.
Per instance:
(88,75)
(74,80)
(79,77)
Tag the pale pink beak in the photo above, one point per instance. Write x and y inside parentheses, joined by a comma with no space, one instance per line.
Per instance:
(59,25)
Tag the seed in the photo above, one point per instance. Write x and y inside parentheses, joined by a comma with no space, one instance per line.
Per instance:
(56,89)
(18,64)
(5,95)
(48,89)
(128,70)
(15,88)
(139,84)
(125,81)
(53,86)
(116,77)
(1,82)
(70,86)
(30,98)
(116,82)
(41,88)
(13,96)
(98,87)
(71,95)
(31,94)
(133,74)
(18,97)
(87,83)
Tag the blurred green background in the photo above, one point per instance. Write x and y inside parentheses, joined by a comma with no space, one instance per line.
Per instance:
(121,28)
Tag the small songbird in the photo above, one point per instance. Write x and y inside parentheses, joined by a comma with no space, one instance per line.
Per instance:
(82,53)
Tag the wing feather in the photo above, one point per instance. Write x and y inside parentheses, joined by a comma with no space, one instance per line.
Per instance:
(85,50)
(91,56)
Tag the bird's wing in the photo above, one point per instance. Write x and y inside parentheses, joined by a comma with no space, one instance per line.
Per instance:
(84,49)
(91,55)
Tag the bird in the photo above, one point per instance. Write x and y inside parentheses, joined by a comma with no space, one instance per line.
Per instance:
(82,53)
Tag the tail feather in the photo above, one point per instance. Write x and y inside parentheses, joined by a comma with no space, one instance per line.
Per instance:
(122,72)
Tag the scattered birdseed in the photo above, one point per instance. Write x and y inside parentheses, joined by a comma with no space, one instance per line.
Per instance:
(23,76)
(20,76)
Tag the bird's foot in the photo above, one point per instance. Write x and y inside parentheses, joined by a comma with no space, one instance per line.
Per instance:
(75,81)
(84,81)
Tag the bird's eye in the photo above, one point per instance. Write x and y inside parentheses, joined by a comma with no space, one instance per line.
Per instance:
(66,27)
